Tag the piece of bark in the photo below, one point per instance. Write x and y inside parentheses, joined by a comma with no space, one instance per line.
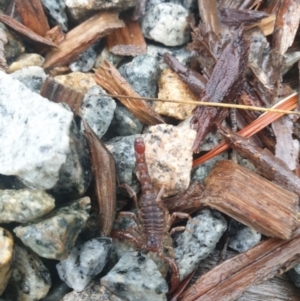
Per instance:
(55,34)
(59,71)
(128,40)
(82,37)
(57,92)
(33,16)
(104,177)
(232,278)
(266,25)
(210,15)
(3,41)
(109,78)
(265,162)
(24,31)
(251,199)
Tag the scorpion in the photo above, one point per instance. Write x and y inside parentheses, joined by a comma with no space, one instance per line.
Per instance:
(153,218)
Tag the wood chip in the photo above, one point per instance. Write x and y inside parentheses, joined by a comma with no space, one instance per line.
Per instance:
(56,35)
(109,78)
(128,40)
(3,41)
(26,32)
(82,37)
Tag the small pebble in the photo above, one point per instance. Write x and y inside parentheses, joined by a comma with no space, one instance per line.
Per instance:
(6,257)
(85,61)
(24,205)
(167,23)
(55,236)
(135,277)
(85,261)
(26,60)
(105,54)
(30,279)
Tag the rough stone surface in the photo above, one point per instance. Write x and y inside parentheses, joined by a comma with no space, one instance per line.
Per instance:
(198,241)
(125,123)
(169,160)
(57,292)
(26,60)
(94,292)
(173,88)
(294,274)
(83,9)
(55,236)
(85,61)
(166,23)
(24,205)
(32,77)
(34,135)
(78,81)
(30,279)
(6,257)
(109,56)
(85,261)
(98,110)
(244,239)
(142,74)
(56,11)
(135,277)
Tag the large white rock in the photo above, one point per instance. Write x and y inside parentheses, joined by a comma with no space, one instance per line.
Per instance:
(34,135)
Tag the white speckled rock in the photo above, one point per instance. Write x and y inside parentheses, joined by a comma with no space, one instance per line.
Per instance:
(85,261)
(56,10)
(109,56)
(166,23)
(98,110)
(26,60)
(34,135)
(244,239)
(94,292)
(169,159)
(198,241)
(30,279)
(135,277)
(142,74)
(32,77)
(85,61)
(6,257)
(24,205)
(55,236)
(80,9)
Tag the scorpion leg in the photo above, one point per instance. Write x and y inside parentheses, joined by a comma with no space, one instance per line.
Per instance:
(125,234)
(127,214)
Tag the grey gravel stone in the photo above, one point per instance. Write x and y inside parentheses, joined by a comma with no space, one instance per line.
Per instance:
(98,110)
(54,236)
(85,61)
(57,292)
(142,74)
(105,54)
(32,77)
(244,239)
(56,10)
(85,261)
(24,205)
(30,279)
(34,135)
(166,23)
(198,241)
(135,277)
(294,274)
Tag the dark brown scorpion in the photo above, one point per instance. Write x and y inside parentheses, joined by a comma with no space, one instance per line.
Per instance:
(153,218)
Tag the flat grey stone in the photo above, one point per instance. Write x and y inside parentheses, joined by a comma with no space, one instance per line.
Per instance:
(34,135)
(54,236)
(85,261)
(24,205)
(135,277)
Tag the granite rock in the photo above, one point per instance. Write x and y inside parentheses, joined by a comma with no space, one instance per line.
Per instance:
(198,240)
(135,277)
(24,205)
(30,279)
(85,261)
(6,257)
(26,60)
(94,292)
(32,77)
(105,54)
(82,9)
(37,147)
(57,292)
(166,23)
(56,10)
(86,60)
(78,81)
(54,236)
(142,74)
(98,110)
